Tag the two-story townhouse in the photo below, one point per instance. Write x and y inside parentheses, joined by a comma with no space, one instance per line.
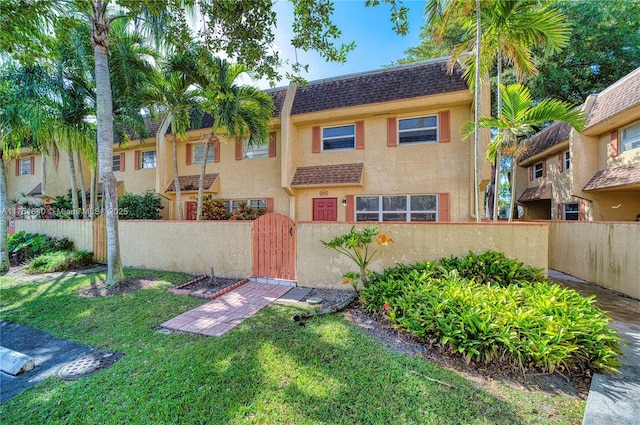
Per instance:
(375,146)
(595,175)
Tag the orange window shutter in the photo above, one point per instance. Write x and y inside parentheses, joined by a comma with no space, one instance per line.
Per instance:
(560,162)
(531,173)
(359,134)
(189,153)
(269,206)
(239,152)
(560,206)
(32,165)
(350,208)
(544,168)
(315,140)
(392,132)
(272,144)
(122,161)
(216,151)
(613,143)
(17,166)
(136,160)
(445,127)
(443,207)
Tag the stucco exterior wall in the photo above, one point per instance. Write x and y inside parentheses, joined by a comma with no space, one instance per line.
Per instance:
(602,253)
(187,246)
(141,180)
(322,267)
(427,168)
(78,231)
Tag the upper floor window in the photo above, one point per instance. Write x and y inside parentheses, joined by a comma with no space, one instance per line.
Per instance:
(117,166)
(630,138)
(418,130)
(397,208)
(148,159)
(25,166)
(254,151)
(538,170)
(340,137)
(567,160)
(198,153)
(571,211)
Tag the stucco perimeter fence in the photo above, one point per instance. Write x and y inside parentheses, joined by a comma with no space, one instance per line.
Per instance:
(607,254)
(195,247)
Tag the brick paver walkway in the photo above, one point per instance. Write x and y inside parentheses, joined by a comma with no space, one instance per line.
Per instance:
(227,311)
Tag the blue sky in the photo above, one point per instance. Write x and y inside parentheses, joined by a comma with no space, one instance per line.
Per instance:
(369,27)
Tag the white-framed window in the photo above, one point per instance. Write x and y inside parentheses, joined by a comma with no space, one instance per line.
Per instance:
(397,208)
(25,166)
(198,153)
(567,160)
(255,151)
(339,137)
(116,163)
(571,211)
(232,205)
(630,138)
(538,170)
(148,159)
(418,130)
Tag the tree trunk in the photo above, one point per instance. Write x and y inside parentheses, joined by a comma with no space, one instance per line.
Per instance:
(176,177)
(496,190)
(4,221)
(496,177)
(104,117)
(203,168)
(83,191)
(476,139)
(92,195)
(74,187)
(513,188)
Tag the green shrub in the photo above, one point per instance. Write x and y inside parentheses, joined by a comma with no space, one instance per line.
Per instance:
(246,212)
(23,245)
(536,325)
(60,261)
(214,209)
(140,207)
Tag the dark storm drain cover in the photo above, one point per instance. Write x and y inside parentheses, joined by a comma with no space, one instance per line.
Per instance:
(88,364)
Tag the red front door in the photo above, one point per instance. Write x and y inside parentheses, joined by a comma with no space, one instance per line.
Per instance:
(192,209)
(325,209)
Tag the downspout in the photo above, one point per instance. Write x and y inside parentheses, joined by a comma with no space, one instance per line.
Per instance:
(287,149)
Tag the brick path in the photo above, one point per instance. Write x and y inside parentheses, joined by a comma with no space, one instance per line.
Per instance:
(227,311)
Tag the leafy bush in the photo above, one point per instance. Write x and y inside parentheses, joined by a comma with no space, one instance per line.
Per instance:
(246,212)
(214,209)
(536,325)
(140,207)
(23,245)
(60,261)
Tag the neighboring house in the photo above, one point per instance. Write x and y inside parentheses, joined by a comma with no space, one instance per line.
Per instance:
(565,175)
(375,146)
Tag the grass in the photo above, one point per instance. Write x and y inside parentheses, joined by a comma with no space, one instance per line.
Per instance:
(266,370)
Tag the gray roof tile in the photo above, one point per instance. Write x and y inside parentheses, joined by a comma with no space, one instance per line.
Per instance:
(623,94)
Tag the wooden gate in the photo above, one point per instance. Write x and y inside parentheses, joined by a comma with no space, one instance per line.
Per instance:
(274,247)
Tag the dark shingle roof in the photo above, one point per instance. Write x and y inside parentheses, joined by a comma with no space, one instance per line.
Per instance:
(328,175)
(403,82)
(191,183)
(616,98)
(99,187)
(152,126)
(36,191)
(536,193)
(625,175)
(547,138)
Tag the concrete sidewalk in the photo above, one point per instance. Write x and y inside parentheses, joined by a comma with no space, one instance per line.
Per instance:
(613,399)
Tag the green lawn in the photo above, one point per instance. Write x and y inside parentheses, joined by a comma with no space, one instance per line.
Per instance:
(268,370)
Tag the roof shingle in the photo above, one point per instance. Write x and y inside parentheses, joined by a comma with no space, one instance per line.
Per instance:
(616,98)
(547,138)
(397,83)
(625,175)
(328,175)
(192,183)
(536,193)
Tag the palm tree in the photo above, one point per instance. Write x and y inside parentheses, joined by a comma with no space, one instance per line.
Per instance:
(518,119)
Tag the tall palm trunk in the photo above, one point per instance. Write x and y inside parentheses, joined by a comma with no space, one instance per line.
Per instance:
(83,191)
(92,194)
(104,115)
(176,177)
(476,139)
(496,182)
(4,222)
(203,168)
(74,186)
(513,188)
